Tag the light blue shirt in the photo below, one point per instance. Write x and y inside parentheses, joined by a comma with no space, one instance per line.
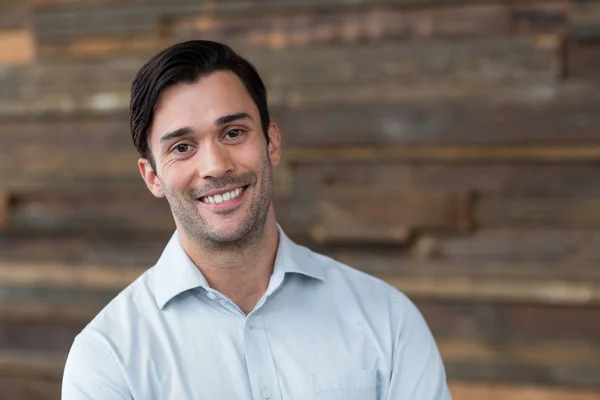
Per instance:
(321,331)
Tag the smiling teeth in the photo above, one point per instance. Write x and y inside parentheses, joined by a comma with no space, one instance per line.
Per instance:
(219,198)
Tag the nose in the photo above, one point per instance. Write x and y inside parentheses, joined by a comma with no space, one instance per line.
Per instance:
(215,161)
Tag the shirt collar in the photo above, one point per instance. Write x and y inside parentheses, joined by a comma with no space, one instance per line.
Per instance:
(175,272)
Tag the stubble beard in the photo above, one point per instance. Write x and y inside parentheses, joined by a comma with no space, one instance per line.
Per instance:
(185,210)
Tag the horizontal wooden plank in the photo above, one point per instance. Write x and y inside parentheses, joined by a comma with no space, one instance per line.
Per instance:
(80,248)
(102,86)
(585,20)
(360,234)
(354,209)
(544,364)
(91,212)
(96,277)
(13,14)
(38,365)
(450,154)
(541,211)
(277,31)
(347,25)
(12,388)
(465,288)
(508,323)
(103,28)
(490,391)
(517,179)
(583,60)
(520,245)
(489,119)
(16,47)
(546,16)
(4,210)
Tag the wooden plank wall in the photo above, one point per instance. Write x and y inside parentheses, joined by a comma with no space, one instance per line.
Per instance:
(449,147)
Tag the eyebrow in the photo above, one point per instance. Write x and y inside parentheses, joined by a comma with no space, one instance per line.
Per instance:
(226,119)
(177,133)
(187,130)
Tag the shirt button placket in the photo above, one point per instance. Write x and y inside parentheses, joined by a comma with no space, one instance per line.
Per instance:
(259,360)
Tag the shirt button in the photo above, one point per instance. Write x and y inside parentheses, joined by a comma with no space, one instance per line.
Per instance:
(211,295)
(265,393)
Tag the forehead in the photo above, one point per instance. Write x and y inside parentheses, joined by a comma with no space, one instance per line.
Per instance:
(199,104)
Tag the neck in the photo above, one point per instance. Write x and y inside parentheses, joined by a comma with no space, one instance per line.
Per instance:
(242,272)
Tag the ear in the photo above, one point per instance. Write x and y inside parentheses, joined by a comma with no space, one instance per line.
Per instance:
(274,144)
(150,177)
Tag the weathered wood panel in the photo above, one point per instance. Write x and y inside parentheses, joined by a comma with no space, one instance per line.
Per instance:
(36,365)
(563,119)
(4,210)
(583,60)
(539,17)
(568,365)
(66,151)
(542,211)
(103,85)
(13,14)
(567,153)
(16,47)
(13,388)
(347,26)
(524,179)
(95,213)
(80,249)
(509,245)
(356,210)
(477,390)
(585,20)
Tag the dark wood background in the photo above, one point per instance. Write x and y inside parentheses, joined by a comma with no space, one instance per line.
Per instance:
(451,147)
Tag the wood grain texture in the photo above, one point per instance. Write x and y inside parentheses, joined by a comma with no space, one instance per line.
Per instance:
(95,212)
(517,179)
(14,364)
(550,246)
(583,60)
(355,209)
(16,47)
(563,119)
(347,25)
(542,211)
(585,20)
(102,86)
(4,210)
(478,390)
(13,14)
(449,154)
(546,16)
(12,388)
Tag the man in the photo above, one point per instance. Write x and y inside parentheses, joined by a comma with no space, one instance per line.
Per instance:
(234,309)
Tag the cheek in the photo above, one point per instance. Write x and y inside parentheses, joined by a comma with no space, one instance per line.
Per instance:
(177,175)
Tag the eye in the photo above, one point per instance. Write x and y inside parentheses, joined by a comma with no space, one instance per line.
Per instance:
(234,133)
(181,148)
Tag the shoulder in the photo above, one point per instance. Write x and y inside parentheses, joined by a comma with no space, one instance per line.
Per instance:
(362,284)
(132,305)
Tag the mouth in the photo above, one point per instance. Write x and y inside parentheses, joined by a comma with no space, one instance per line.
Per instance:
(224,197)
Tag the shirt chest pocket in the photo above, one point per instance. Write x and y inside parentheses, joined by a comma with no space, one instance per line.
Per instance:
(355,385)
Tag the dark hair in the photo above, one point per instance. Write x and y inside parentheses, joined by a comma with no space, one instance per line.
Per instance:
(187,62)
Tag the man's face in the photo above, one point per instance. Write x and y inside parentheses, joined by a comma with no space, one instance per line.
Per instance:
(213,163)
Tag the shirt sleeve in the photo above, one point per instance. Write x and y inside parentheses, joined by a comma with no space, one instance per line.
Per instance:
(418,371)
(92,373)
